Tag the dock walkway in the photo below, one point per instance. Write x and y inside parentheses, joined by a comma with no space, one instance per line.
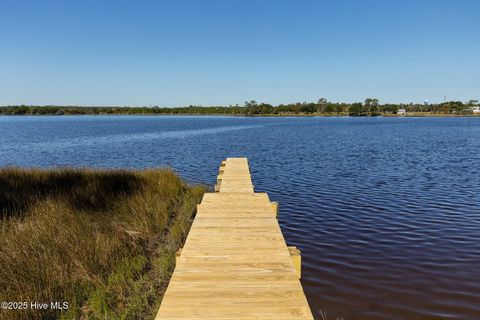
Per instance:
(235,263)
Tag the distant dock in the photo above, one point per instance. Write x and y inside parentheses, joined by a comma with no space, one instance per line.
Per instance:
(235,263)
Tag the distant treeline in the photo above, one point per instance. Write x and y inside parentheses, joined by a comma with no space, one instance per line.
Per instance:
(370,107)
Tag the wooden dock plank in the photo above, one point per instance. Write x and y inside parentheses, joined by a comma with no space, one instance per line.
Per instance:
(235,263)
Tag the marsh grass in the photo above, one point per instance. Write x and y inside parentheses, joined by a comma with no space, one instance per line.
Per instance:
(102,240)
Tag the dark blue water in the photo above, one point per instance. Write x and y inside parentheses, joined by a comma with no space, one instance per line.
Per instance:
(386,211)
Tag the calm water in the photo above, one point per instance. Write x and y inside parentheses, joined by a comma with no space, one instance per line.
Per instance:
(385,211)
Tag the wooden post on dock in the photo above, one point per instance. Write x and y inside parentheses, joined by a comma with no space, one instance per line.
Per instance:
(296,256)
(275,208)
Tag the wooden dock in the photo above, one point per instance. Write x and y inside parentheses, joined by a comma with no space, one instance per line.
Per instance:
(235,263)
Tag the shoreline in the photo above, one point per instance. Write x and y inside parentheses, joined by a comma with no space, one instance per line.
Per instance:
(71,230)
(408,115)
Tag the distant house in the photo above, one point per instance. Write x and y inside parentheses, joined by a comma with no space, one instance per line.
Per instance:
(475,109)
(401,111)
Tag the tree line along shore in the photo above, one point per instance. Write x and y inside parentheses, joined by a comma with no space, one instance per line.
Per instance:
(102,241)
(370,107)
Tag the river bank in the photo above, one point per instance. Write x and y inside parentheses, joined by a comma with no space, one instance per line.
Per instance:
(371,107)
(101,241)
(286,115)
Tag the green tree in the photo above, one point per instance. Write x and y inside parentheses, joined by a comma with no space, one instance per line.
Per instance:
(456,107)
(308,108)
(322,103)
(371,105)
(472,103)
(251,107)
(356,109)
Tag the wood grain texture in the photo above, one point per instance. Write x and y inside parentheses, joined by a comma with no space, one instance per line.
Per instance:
(235,263)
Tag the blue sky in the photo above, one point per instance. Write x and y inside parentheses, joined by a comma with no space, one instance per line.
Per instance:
(205,52)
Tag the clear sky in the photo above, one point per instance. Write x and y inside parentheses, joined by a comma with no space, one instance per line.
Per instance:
(205,52)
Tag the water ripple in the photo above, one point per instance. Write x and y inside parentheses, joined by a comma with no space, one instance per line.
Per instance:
(385,211)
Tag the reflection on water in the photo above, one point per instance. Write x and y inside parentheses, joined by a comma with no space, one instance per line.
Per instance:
(133,137)
(385,211)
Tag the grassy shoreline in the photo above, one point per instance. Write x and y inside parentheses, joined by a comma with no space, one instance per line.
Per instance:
(102,240)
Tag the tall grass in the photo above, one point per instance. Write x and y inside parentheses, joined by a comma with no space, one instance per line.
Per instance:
(102,240)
